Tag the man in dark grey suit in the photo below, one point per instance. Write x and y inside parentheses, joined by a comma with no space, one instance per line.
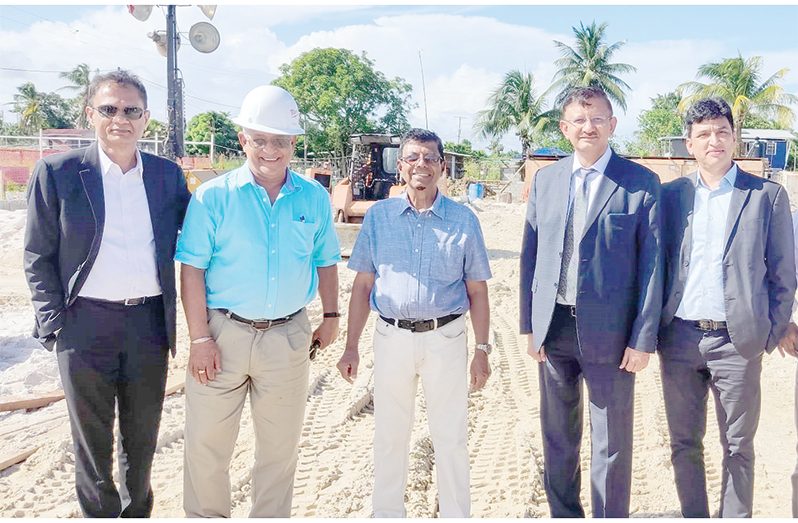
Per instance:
(789,345)
(591,296)
(99,243)
(730,282)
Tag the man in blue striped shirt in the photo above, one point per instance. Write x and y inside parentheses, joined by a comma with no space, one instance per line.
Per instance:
(421,265)
(256,245)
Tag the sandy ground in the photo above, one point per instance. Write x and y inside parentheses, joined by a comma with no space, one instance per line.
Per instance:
(334,475)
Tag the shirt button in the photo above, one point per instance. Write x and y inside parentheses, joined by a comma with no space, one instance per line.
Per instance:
(416,250)
(270,305)
(419,225)
(274,252)
(274,225)
(414,274)
(272,278)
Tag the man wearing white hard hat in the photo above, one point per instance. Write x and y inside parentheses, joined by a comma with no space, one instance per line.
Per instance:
(257,244)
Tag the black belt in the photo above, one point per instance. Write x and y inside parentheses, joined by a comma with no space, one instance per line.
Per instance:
(260,325)
(422,325)
(128,302)
(570,309)
(707,325)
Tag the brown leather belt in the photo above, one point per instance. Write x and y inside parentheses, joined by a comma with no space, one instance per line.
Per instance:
(422,325)
(260,325)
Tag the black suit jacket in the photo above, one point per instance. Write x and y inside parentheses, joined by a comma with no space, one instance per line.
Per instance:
(66,217)
(619,288)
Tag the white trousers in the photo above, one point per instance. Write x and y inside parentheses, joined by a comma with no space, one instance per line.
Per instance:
(439,357)
(272,366)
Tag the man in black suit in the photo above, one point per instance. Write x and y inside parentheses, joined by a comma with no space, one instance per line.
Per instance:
(99,243)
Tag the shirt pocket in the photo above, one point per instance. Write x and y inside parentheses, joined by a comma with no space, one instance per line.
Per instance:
(300,238)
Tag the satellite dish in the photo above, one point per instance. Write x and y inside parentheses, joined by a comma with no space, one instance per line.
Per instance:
(204,37)
(159,37)
(140,12)
(208,10)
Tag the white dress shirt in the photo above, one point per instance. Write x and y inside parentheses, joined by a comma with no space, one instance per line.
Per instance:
(125,266)
(593,179)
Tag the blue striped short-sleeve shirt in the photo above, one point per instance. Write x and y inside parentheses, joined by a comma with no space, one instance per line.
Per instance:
(421,260)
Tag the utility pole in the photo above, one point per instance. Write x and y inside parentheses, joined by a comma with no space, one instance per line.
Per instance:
(174,101)
(424,90)
(459,123)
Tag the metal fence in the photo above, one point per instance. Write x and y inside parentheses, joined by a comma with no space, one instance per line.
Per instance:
(48,144)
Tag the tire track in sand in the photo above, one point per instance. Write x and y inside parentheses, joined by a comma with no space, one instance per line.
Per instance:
(506,470)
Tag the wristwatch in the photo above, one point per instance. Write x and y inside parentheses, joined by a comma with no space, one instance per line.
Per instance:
(487,348)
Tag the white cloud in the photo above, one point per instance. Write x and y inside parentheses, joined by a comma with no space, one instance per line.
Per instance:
(464,57)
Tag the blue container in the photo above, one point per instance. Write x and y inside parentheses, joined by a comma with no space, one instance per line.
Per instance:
(476,191)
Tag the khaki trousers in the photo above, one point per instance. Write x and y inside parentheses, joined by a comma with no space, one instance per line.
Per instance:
(272,366)
(439,357)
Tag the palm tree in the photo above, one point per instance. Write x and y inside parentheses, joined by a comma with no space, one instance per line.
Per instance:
(29,105)
(588,64)
(514,105)
(80,78)
(736,80)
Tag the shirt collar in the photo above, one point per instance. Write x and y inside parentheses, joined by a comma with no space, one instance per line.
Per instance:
(727,181)
(438,207)
(600,166)
(245,177)
(106,164)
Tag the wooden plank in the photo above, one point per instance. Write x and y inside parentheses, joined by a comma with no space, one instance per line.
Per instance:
(175,384)
(18,458)
(31,403)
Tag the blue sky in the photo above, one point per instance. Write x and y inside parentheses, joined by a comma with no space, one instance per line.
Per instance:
(466,49)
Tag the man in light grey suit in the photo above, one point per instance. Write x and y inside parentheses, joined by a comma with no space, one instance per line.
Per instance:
(591,296)
(729,287)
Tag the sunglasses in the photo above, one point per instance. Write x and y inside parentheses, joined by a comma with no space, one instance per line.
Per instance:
(415,159)
(279,142)
(110,111)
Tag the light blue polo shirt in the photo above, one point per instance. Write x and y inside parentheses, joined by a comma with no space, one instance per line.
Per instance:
(260,259)
(421,260)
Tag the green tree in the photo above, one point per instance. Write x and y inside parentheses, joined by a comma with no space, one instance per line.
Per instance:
(464,147)
(552,137)
(662,119)
(39,110)
(225,132)
(339,94)
(588,64)
(155,127)
(80,78)
(737,80)
(755,121)
(514,106)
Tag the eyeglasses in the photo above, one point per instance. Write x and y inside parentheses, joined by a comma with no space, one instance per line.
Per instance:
(280,142)
(110,111)
(596,121)
(415,159)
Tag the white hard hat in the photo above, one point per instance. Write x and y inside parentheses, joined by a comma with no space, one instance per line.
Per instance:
(270,109)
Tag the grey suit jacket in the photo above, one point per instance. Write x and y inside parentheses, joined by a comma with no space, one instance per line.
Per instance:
(758,261)
(619,289)
(66,216)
